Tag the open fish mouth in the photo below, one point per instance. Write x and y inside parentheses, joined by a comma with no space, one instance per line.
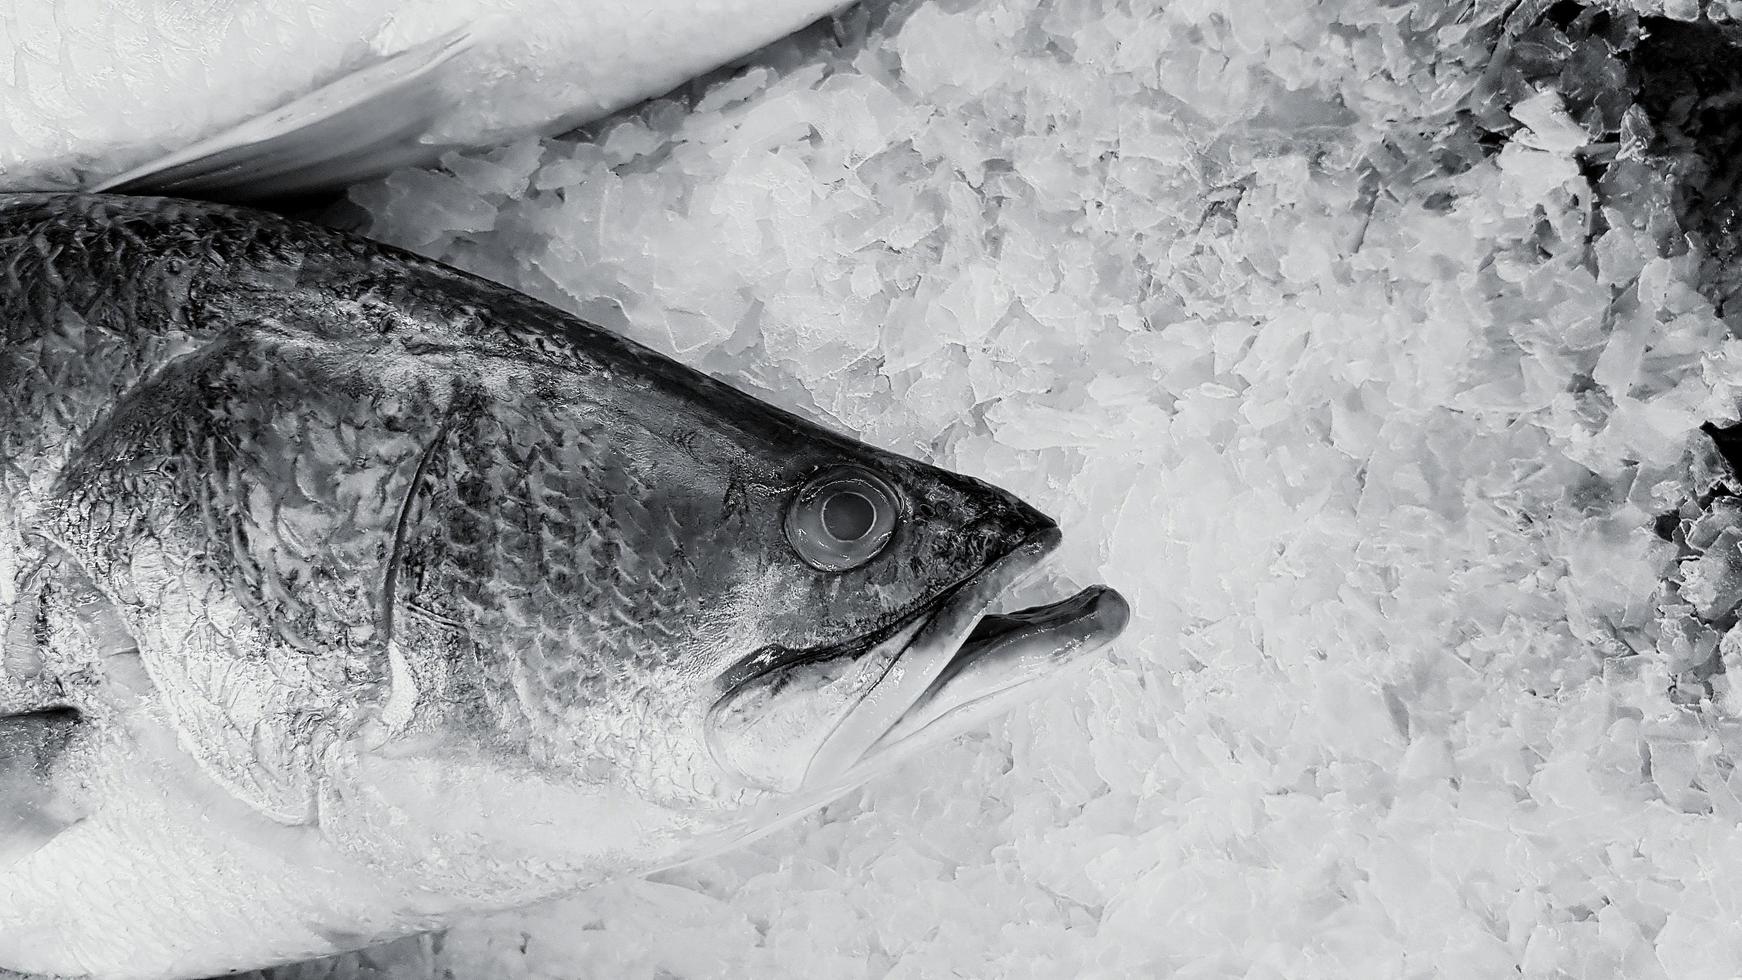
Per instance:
(963,663)
(935,674)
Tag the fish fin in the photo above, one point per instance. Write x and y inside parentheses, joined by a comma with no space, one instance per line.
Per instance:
(21,641)
(54,605)
(365,124)
(33,810)
(54,593)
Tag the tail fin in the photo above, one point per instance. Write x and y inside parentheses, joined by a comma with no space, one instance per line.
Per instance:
(363,125)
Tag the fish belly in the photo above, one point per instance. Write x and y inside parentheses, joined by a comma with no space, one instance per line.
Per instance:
(140,889)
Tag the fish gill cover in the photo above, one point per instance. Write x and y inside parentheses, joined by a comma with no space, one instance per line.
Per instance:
(1365,345)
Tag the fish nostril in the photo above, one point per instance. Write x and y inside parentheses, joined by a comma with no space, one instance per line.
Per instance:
(1030,522)
(993,536)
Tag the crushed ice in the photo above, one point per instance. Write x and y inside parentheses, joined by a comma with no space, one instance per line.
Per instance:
(1373,376)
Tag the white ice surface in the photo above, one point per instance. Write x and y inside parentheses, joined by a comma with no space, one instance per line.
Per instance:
(1366,444)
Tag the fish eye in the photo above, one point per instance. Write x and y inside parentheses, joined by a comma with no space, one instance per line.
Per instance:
(841,519)
(848,515)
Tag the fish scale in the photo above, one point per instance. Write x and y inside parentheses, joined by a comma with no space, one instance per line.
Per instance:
(489,541)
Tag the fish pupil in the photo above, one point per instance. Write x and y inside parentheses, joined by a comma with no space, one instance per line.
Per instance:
(848,515)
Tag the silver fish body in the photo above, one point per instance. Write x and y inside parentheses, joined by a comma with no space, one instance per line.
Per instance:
(346,594)
(96,87)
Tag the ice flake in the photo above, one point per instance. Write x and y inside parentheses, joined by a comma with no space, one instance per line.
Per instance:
(1548,127)
(1713,581)
(1370,404)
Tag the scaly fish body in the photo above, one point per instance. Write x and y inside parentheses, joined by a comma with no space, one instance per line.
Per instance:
(95,87)
(346,593)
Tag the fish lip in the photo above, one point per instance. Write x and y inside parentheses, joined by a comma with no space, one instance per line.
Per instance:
(968,600)
(922,668)
(1059,632)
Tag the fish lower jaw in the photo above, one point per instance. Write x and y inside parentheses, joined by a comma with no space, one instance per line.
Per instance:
(995,663)
(1005,661)
(965,665)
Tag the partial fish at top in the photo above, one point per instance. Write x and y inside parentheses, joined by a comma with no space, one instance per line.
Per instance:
(253,99)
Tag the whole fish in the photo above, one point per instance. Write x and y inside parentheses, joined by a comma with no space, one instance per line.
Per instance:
(345,594)
(261,98)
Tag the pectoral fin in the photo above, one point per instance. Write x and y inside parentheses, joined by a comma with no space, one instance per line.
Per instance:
(32,808)
(363,125)
(20,638)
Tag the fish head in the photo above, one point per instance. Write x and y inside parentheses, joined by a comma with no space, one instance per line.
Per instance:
(873,568)
(707,608)
(506,606)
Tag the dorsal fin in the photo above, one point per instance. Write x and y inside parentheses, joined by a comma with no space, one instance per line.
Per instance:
(32,808)
(365,124)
